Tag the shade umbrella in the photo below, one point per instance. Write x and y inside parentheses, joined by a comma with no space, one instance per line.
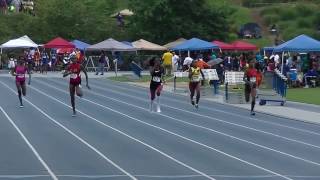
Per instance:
(215,61)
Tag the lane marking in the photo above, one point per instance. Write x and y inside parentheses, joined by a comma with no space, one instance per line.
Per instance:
(205,116)
(169,132)
(137,140)
(73,134)
(52,175)
(198,126)
(216,110)
(155,176)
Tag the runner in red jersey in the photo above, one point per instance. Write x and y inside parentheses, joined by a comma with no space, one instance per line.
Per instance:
(251,85)
(74,70)
(20,73)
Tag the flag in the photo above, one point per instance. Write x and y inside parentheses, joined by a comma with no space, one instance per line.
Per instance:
(136,69)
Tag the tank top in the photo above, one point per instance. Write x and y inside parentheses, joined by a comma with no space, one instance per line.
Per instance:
(156,76)
(75,69)
(20,73)
(252,75)
(195,74)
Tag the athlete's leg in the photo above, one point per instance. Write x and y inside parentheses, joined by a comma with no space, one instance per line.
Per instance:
(158,92)
(72,95)
(192,90)
(253,98)
(18,84)
(197,89)
(247,90)
(152,96)
(78,91)
(23,88)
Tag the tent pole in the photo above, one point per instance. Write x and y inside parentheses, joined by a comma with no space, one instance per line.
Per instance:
(282,62)
(1,57)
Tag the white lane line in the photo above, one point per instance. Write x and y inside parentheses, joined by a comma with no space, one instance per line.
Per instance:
(52,175)
(169,132)
(198,126)
(155,176)
(76,136)
(216,110)
(137,140)
(216,119)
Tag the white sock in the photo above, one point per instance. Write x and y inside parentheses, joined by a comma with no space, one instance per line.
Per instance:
(151,105)
(158,104)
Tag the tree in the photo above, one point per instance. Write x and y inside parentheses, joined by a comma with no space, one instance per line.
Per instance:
(165,20)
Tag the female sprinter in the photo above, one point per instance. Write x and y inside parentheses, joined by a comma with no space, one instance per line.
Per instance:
(194,84)
(20,73)
(74,70)
(156,83)
(250,79)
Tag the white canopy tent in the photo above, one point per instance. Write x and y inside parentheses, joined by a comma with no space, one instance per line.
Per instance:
(22,42)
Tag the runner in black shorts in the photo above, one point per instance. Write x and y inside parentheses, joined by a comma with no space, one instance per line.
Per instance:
(194,84)
(156,83)
(250,79)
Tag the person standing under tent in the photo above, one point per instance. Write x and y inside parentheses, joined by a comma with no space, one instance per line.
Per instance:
(74,70)
(103,60)
(194,84)
(37,58)
(250,79)
(44,61)
(156,83)
(20,73)
(175,62)
(167,62)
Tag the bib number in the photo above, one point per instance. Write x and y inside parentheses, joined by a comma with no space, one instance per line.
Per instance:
(20,75)
(73,76)
(156,79)
(195,78)
(253,79)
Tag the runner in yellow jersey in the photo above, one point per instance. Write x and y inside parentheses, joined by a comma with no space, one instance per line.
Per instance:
(194,84)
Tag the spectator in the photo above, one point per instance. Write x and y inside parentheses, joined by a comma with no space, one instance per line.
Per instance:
(175,61)
(186,63)
(3,6)
(167,62)
(103,60)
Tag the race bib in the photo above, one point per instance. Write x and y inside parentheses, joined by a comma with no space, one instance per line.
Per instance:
(195,78)
(73,76)
(253,79)
(20,75)
(156,79)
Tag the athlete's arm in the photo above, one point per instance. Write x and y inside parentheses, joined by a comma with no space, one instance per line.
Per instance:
(190,73)
(66,72)
(202,74)
(13,71)
(86,74)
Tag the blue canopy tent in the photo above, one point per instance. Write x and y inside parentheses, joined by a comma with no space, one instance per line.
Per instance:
(195,44)
(80,45)
(302,43)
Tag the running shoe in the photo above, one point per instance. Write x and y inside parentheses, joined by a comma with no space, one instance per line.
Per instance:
(192,102)
(74,114)
(196,105)
(252,113)
(21,106)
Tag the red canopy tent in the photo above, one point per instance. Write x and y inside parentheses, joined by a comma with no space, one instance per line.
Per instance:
(243,46)
(223,45)
(59,43)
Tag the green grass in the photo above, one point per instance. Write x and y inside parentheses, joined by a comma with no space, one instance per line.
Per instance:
(304,95)
(144,78)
